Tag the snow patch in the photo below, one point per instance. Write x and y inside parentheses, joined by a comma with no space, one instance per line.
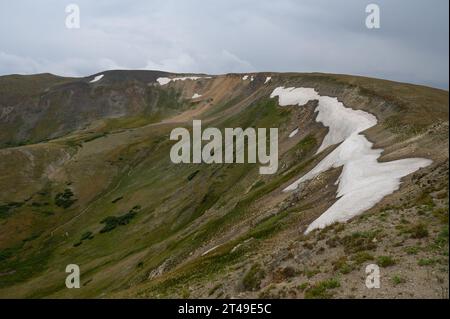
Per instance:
(268,78)
(341,121)
(293,133)
(245,77)
(196,96)
(363,181)
(165,80)
(96,78)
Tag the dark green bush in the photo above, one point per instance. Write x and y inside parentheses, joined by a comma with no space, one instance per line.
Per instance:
(65,199)
(111,222)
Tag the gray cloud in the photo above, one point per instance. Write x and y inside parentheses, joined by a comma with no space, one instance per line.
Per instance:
(228,36)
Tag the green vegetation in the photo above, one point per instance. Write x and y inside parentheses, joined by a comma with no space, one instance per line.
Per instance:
(253,277)
(361,257)
(259,183)
(7,209)
(412,250)
(95,136)
(385,261)
(303,286)
(426,261)
(20,267)
(65,199)
(189,207)
(397,280)
(359,241)
(87,235)
(111,222)
(342,265)
(321,289)
(442,238)
(419,231)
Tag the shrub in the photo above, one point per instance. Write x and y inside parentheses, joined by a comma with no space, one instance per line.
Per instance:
(362,257)
(253,277)
(87,235)
(418,231)
(385,261)
(442,238)
(303,286)
(412,250)
(397,280)
(320,290)
(426,262)
(342,266)
(6,209)
(77,244)
(359,241)
(64,199)
(111,222)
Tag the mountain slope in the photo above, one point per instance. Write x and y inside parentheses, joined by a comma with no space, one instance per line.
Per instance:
(94,186)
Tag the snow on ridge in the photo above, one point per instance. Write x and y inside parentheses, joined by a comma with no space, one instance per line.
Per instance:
(363,181)
(293,133)
(268,78)
(196,96)
(96,78)
(341,121)
(163,81)
(166,80)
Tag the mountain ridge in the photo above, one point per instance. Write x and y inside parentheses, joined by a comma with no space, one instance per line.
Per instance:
(101,156)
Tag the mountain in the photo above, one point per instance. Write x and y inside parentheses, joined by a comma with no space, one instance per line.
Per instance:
(87,179)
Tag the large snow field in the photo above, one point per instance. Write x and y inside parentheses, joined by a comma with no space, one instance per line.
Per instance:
(363,181)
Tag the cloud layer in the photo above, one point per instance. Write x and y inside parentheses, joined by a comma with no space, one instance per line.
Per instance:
(228,36)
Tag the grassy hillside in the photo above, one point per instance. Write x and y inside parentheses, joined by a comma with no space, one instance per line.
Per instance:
(95,186)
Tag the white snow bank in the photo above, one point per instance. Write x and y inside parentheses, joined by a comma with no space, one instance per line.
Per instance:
(268,78)
(196,96)
(293,133)
(165,80)
(341,121)
(96,78)
(245,77)
(363,181)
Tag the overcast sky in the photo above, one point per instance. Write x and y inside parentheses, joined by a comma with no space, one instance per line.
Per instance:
(212,36)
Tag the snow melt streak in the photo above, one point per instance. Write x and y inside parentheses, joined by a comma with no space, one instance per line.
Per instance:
(97,78)
(363,181)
